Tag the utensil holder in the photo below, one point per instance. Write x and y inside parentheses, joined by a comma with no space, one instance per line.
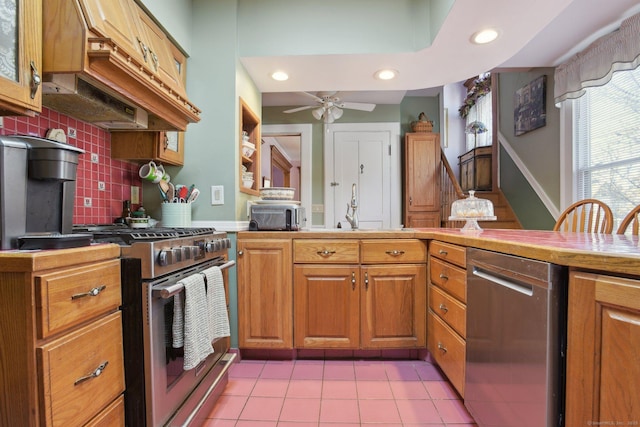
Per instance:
(176,215)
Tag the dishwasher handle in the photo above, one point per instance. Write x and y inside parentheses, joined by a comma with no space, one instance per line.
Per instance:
(522,288)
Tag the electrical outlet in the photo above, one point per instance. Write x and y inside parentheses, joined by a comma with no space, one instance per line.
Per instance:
(71,132)
(101,186)
(135,194)
(217,195)
(95,158)
(87,202)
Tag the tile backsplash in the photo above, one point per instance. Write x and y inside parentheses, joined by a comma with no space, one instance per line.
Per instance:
(118,176)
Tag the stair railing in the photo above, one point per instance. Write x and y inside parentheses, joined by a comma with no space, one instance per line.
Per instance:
(450,191)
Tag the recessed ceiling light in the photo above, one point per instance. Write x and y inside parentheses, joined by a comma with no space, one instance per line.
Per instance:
(386,74)
(280,76)
(485,36)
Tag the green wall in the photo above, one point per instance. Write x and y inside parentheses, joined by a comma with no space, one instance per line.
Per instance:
(538,149)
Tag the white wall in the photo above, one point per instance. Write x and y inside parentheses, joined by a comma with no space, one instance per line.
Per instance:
(453,126)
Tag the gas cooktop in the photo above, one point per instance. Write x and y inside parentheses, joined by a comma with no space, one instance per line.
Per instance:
(122,234)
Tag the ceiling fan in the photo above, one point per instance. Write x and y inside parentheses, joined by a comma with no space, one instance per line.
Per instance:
(329,106)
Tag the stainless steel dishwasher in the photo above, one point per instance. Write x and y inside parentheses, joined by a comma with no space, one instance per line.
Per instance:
(516,340)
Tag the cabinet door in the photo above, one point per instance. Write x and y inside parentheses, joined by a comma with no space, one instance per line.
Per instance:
(118,20)
(160,58)
(423,220)
(394,306)
(21,57)
(164,147)
(327,306)
(422,172)
(265,293)
(603,363)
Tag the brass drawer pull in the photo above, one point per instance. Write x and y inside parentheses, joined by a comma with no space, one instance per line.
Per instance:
(443,252)
(326,253)
(395,252)
(443,276)
(353,280)
(444,308)
(366,281)
(442,348)
(91,293)
(96,373)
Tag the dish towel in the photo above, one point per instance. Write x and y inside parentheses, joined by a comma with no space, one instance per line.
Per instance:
(217,304)
(197,344)
(177,328)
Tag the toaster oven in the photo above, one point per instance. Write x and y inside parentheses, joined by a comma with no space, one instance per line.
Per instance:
(279,216)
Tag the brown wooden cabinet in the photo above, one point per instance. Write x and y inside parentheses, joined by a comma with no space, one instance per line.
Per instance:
(347,296)
(603,365)
(265,296)
(475,169)
(422,180)
(447,310)
(250,123)
(163,147)
(62,356)
(22,61)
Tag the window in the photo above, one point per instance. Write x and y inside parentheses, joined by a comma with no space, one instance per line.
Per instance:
(606,136)
(481,112)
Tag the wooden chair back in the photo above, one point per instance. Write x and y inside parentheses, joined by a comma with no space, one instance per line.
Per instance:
(631,220)
(586,216)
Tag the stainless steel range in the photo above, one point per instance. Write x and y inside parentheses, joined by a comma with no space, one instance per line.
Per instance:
(159,392)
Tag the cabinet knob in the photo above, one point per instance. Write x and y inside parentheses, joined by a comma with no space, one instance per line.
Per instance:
(96,373)
(35,80)
(395,252)
(240,252)
(325,253)
(90,293)
(353,280)
(366,281)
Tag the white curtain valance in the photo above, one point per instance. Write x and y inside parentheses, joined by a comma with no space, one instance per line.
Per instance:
(619,50)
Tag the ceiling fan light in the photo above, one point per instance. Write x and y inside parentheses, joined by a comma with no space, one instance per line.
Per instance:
(280,76)
(386,74)
(317,113)
(336,113)
(485,36)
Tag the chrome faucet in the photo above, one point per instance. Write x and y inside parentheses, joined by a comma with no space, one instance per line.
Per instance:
(353,218)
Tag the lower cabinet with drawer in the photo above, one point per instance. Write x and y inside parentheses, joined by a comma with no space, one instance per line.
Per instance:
(61,355)
(447,310)
(346,295)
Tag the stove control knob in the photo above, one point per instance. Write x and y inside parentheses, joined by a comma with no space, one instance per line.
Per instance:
(213,246)
(186,252)
(226,243)
(177,254)
(194,251)
(165,257)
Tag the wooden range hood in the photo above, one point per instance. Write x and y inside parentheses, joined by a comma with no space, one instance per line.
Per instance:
(117,48)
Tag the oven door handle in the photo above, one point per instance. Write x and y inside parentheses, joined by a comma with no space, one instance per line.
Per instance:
(167,291)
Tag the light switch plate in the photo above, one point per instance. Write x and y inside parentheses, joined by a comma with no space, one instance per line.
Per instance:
(217,195)
(135,194)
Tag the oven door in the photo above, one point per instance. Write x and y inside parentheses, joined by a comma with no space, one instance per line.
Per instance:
(173,395)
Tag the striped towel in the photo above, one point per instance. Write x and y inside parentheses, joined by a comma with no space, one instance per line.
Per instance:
(197,345)
(217,304)
(177,328)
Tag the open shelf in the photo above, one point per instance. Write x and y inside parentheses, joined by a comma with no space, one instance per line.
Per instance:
(250,123)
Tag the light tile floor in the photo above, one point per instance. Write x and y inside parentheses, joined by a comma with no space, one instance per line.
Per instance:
(338,393)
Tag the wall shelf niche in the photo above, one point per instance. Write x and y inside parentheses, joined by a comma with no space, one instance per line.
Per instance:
(250,123)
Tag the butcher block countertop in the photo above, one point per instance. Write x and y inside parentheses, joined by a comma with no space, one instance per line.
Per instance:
(607,252)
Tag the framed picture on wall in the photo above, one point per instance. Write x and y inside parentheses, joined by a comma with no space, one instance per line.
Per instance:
(530,106)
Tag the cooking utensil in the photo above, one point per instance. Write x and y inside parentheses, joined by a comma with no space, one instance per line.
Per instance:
(182,193)
(193,196)
(171,192)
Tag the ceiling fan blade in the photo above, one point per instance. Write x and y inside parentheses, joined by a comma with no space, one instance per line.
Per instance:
(362,106)
(294,110)
(310,95)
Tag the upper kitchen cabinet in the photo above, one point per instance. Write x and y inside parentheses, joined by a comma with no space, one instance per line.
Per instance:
(249,154)
(108,62)
(21,58)
(162,147)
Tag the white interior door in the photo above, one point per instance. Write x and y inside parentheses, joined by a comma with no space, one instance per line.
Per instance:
(366,155)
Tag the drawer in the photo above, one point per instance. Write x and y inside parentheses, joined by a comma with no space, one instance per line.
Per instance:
(449,309)
(448,349)
(450,278)
(66,298)
(453,253)
(112,416)
(326,251)
(64,362)
(393,251)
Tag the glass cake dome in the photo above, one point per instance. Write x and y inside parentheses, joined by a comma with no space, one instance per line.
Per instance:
(472,210)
